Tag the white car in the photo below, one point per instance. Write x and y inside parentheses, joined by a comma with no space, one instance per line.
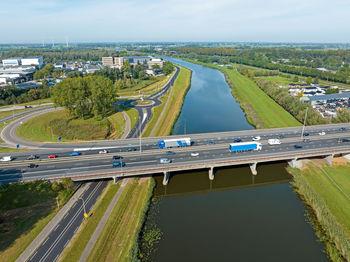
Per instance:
(274,142)
(104,151)
(165,160)
(256,138)
(6,158)
(322,133)
(195,154)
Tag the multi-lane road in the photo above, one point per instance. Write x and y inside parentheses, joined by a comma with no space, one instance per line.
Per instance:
(210,146)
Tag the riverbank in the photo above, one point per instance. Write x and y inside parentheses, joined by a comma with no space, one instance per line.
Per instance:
(326,190)
(166,114)
(261,110)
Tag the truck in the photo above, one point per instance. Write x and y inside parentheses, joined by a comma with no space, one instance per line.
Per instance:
(274,142)
(6,158)
(245,146)
(177,142)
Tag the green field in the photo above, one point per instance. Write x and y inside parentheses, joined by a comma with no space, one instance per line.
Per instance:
(77,245)
(279,80)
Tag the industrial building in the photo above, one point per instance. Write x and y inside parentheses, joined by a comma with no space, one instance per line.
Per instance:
(27,61)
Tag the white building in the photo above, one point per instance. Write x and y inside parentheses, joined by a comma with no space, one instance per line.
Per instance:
(12,61)
(34,60)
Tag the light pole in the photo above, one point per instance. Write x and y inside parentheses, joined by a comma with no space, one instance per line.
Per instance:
(85,214)
(302,131)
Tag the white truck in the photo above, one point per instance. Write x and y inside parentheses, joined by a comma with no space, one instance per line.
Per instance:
(274,142)
(177,142)
(6,158)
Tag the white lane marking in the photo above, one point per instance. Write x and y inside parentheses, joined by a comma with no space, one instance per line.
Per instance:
(144,117)
(45,241)
(33,256)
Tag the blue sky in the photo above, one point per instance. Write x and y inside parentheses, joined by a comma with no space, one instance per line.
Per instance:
(34,21)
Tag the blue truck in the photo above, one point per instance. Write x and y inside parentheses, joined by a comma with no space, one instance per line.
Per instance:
(245,146)
(177,142)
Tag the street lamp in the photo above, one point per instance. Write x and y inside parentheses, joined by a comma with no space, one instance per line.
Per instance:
(302,131)
(85,214)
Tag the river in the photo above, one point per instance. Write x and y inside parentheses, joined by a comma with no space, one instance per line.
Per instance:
(235,217)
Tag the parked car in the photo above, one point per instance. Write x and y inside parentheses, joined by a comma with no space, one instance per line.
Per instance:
(118,164)
(237,140)
(75,153)
(256,138)
(104,151)
(298,146)
(52,156)
(165,160)
(322,133)
(117,157)
(194,154)
(32,157)
(33,165)
(131,149)
(170,153)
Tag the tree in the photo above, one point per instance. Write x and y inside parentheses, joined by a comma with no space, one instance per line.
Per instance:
(168,67)
(67,183)
(295,79)
(155,67)
(56,186)
(309,80)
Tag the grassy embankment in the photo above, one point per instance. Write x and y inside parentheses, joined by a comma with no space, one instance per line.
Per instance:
(327,191)
(118,240)
(173,108)
(25,209)
(48,127)
(77,245)
(261,110)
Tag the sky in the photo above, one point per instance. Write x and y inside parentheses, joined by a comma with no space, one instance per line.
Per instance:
(35,21)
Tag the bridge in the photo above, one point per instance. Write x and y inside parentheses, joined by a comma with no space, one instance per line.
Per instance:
(145,160)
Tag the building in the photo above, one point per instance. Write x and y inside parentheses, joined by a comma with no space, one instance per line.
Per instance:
(155,62)
(33,61)
(107,61)
(12,61)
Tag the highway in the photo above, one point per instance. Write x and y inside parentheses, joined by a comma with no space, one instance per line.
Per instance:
(91,162)
(59,238)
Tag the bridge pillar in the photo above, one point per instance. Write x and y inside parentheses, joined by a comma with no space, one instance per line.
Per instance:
(293,162)
(329,159)
(166,178)
(115,179)
(253,168)
(211,173)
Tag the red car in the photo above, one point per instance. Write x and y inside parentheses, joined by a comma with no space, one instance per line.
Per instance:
(52,156)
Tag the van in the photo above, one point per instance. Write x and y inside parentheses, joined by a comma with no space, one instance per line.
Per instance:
(6,158)
(274,142)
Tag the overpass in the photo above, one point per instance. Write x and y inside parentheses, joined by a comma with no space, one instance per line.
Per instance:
(145,161)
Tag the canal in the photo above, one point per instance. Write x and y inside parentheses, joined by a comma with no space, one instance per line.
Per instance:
(235,217)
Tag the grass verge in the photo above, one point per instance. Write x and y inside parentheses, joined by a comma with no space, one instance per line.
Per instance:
(117,125)
(173,108)
(326,190)
(118,239)
(133,115)
(77,245)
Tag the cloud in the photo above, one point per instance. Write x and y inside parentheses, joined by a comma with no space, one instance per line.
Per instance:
(176,20)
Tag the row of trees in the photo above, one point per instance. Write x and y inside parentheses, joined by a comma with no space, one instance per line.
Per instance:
(13,95)
(86,96)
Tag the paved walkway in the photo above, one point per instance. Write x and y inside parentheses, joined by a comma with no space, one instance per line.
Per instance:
(102,223)
(127,127)
(28,252)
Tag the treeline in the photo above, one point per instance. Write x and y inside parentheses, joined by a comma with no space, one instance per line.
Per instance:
(85,97)
(60,54)
(220,51)
(13,95)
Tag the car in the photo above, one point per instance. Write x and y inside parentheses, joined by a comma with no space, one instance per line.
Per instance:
(256,138)
(33,165)
(342,129)
(210,143)
(104,151)
(307,140)
(306,134)
(75,153)
(52,156)
(170,153)
(298,146)
(339,140)
(6,158)
(117,157)
(281,136)
(32,157)
(131,149)
(322,133)
(237,140)
(346,139)
(165,160)
(118,164)
(194,154)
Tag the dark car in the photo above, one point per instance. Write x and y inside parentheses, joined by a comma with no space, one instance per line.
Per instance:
(346,139)
(342,129)
(210,143)
(117,157)
(131,149)
(170,153)
(33,165)
(118,164)
(298,146)
(32,157)
(237,140)
(281,136)
(75,153)
(306,134)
